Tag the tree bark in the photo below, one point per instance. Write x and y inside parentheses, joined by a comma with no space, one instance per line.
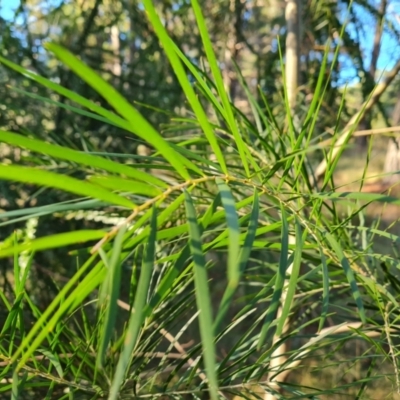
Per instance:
(292,50)
(365,122)
(292,17)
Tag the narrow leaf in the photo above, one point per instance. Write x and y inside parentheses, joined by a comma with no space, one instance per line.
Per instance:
(138,123)
(349,274)
(203,297)
(185,83)
(243,259)
(279,280)
(58,307)
(216,71)
(53,241)
(125,185)
(325,293)
(63,182)
(138,315)
(65,153)
(300,238)
(232,221)
(54,360)
(112,285)
(15,385)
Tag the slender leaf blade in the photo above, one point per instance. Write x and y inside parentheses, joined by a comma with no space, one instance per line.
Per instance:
(112,284)
(138,314)
(325,292)
(65,153)
(203,297)
(63,182)
(349,274)
(300,238)
(243,150)
(138,123)
(279,280)
(169,48)
(53,241)
(125,185)
(243,259)
(232,221)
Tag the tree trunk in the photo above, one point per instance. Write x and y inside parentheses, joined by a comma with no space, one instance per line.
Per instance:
(292,16)
(365,123)
(292,50)
(392,162)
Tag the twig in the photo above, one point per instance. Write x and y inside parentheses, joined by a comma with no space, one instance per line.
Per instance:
(145,206)
(174,341)
(365,132)
(340,329)
(33,372)
(157,354)
(392,351)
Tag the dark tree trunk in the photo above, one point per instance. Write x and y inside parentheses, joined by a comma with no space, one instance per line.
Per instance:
(365,123)
(362,141)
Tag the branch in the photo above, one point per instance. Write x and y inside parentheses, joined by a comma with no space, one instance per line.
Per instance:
(281,376)
(365,132)
(174,341)
(157,354)
(377,39)
(352,124)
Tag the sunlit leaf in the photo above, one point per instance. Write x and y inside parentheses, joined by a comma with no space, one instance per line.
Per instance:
(138,312)
(62,182)
(202,297)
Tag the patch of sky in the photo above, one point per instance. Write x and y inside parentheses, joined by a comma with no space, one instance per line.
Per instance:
(10,9)
(361,28)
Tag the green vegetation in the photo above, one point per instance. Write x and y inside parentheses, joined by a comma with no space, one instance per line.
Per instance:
(201,255)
